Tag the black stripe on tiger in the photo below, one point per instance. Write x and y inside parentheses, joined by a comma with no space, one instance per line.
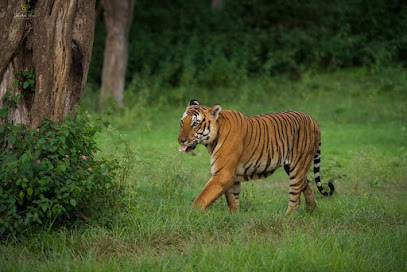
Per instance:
(317,175)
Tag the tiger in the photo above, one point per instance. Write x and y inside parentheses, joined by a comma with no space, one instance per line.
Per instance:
(244,148)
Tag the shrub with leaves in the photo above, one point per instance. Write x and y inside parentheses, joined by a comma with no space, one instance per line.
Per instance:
(51,175)
(250,38)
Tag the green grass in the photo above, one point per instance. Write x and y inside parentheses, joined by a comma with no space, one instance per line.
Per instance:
(363,227)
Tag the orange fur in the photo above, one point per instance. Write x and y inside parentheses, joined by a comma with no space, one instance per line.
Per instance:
(243,148)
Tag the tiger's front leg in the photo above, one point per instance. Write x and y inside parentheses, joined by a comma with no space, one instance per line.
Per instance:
(216,186)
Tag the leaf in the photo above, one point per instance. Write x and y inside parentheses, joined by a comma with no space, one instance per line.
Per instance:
(61,152)
(73,202)
(44,206)
(41,142)
(4,111)
(12,139)
(15,84)
(61,168)
(2,208)
(30,191)
(26,84)
(15,99)
(56,209)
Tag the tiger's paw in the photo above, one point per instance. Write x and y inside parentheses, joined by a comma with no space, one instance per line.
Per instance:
(291,211)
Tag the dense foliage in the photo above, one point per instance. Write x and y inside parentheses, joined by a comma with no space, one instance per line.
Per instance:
(185,42)
(51,174)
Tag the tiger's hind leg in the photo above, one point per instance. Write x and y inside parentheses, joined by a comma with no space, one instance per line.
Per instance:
(298,181)
(308,192)
(232,197)
(296,187)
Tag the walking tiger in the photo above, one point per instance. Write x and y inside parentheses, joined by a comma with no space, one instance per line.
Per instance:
(243,148)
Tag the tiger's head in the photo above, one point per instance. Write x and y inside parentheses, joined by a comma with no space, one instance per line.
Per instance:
(198,126)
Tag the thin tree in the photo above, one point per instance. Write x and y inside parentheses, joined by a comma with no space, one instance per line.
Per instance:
(117,17)
(48,42)
(217,5)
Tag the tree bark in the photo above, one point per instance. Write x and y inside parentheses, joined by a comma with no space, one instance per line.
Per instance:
(117,16)
(217,5)
(56,41)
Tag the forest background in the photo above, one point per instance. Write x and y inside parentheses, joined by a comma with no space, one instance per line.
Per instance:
(342,62)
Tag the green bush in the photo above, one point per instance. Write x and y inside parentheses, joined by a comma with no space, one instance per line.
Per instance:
(178,43)
(52,174)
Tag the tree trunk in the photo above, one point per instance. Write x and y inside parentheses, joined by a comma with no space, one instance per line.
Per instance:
(217,5)
(56,42)
(117,16)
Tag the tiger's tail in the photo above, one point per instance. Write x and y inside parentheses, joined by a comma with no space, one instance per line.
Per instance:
(317,174)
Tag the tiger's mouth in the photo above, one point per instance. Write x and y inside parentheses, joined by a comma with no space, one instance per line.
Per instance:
(187,148)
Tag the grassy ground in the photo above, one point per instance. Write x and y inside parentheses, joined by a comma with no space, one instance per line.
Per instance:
(363,227)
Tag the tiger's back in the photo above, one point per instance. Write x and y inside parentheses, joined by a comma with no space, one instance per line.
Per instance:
(274,140)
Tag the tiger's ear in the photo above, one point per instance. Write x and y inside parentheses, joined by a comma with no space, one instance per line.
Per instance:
(193,102)
(215,111)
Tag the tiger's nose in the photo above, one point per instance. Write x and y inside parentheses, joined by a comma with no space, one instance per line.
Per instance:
(181,140)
